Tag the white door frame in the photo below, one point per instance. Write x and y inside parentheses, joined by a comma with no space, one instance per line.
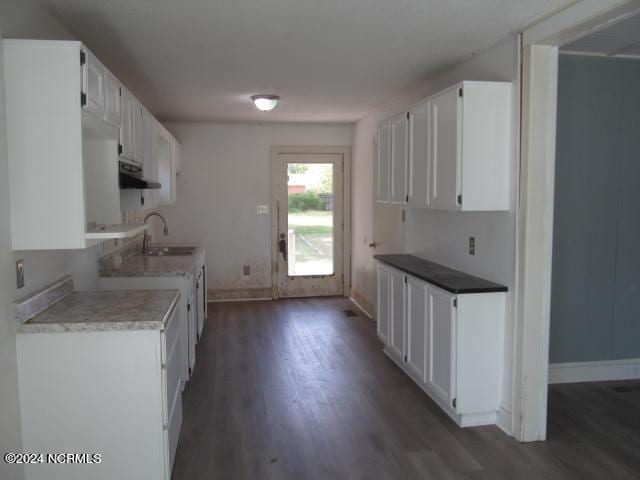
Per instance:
(535,202)
(346,189)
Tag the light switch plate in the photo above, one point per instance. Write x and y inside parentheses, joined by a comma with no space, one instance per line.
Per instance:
(20,273)
(246,270)
(263,209)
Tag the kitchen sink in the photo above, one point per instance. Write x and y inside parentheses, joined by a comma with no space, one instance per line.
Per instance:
(169,252)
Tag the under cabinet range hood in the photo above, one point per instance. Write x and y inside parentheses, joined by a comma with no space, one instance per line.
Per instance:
(131,178)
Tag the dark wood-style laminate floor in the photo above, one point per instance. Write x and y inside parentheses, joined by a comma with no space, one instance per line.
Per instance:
(294,389)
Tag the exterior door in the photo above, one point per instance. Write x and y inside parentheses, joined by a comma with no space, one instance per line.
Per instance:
(445,150)
(442,343)
(308,219)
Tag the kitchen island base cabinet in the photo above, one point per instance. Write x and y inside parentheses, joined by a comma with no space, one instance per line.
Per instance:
(451,345)
(110,393)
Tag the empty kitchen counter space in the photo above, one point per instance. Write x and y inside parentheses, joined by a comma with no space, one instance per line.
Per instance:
(452,281)
(99,376)
(131,269)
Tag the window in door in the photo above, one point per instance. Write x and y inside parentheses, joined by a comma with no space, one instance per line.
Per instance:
(310,198)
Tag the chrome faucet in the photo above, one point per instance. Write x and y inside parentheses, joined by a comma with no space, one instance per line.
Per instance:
(145,240)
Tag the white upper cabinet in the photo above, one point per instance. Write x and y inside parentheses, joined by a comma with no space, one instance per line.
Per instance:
(419,134)
(126,130)
(138,148)
(93,77)
(383,174)
(444,151)
(113,101)
(63,157)
(166,148)
(399,148)
(452,152)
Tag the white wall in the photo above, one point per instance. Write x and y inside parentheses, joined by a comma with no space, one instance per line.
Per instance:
(24,18)
(438,236)
(225,176)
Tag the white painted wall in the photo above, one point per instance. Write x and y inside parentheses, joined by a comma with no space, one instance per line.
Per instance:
(438,236)
(225,176)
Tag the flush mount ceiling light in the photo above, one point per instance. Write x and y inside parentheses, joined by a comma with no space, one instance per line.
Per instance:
(265,102)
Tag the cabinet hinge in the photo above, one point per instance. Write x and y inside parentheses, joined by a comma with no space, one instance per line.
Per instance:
(120,90)
(83,57)
(189,370)
(188,307)
(454,402)
(459,199)
(404,216)
(83,99)
(141,197)
(455,303)
(405,359)
(460,92)
(405,279)
(408,116)
(119,149)
(197,284)
(406,198)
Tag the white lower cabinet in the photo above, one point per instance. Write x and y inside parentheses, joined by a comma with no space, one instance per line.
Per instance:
(113,393)
(418,334)
(396,313)
(451,345)
(383,304)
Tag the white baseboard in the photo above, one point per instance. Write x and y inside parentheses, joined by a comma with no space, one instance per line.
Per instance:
(361,308)
(626,369)
(503,420)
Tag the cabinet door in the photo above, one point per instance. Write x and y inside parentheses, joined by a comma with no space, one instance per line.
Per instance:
(442,343)
(149,163)
(383,304)
(399,146)
(126,130)
(417,324)
(94,84)
(419,133)
(113,103)
(396,314)
(384,154)
(200,299)
(445,151)
(192,328)
(138,149)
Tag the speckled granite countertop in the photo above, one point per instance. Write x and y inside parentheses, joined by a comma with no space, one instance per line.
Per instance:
(134,265)
(94,311)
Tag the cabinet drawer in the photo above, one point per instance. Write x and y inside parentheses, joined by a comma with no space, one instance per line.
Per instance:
(172,371)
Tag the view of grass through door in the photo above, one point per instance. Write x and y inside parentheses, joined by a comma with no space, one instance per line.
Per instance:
(310,222)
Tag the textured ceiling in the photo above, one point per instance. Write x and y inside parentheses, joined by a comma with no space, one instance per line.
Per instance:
(329,60)
(619,39)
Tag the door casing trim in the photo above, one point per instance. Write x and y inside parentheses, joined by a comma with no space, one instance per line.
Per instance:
(346,188)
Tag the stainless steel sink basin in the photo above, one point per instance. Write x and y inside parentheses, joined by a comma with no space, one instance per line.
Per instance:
(169,252)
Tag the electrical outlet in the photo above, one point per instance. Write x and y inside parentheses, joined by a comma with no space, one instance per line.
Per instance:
(246,270)
(263,209)
(20,273)
(472,245)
